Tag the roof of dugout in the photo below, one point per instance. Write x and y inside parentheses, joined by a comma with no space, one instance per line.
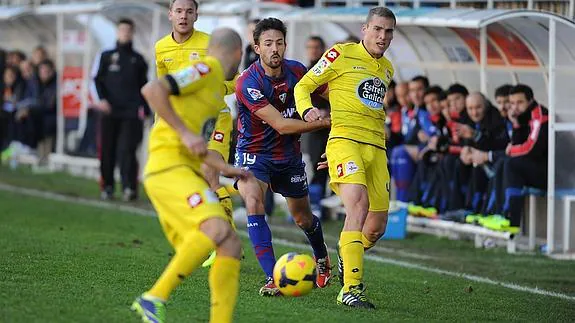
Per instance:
(445,45)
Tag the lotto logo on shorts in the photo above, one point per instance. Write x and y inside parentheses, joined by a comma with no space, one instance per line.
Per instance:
(218,136)
(340,170)
(195,199)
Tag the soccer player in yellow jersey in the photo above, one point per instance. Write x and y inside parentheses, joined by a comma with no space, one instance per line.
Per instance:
(178,50)
(357,75)
(187,104)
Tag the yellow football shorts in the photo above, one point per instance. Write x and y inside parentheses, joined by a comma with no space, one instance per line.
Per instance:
(351,162)
(183,200)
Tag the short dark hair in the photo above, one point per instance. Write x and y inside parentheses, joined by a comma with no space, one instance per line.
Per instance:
(268,24)
(380,12)
(433,90)
(503,90)
(422,79)
(317,39)
(255,21)
(126,21)
(457,88)
(522,88)
(48,63)
(442,96)
(173,1)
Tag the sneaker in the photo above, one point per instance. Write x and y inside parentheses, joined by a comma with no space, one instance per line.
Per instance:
(270,288)
(340,267)
(107,194)
(210,261)
(323,266)
(428,212)
(495,222)
(473,218)
(510,229)
(150,311)
(414,210)
(129,195)
(354,297)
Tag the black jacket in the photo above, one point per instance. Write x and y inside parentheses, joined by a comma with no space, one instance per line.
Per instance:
(491,133)
(122,73)
(530,137)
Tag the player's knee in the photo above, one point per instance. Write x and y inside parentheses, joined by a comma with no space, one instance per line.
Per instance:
(253,202)
(231,246)
(217,229)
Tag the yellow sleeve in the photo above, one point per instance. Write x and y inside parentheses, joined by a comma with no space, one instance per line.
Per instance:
(323,71)
(231,85)
(222,135)
(189,79)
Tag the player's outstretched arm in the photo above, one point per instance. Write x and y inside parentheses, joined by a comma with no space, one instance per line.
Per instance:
(286,126)
(215,160)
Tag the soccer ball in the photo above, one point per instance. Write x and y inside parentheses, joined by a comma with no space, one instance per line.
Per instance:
(294,274)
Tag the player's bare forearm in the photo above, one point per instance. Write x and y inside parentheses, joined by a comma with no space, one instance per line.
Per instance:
(157,95)
(214,160)
(292,126)
(211,174)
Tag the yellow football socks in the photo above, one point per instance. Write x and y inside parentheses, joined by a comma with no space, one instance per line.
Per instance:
(226,202)
(189,255)
(224,284)
(367,244)
(351,249)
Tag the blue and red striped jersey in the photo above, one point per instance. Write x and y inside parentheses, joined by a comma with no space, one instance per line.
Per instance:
(255,90)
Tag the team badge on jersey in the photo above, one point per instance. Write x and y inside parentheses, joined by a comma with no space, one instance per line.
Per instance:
(255,93)
(371,92)
(283,97)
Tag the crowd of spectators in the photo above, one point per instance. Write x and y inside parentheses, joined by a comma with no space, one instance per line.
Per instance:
(27,103)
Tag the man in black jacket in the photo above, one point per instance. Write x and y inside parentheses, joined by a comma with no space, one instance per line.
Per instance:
(121,74)
(527,165)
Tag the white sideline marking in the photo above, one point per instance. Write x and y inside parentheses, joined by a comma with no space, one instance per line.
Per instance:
(286,243)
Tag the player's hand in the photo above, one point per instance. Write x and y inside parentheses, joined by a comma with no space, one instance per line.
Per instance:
(326,122)
(432,143)
(104,106)
(240,173)
(312,115)
(422,136)
(465,131)
(195,144)
(322,164)
(465,155)
(479,157)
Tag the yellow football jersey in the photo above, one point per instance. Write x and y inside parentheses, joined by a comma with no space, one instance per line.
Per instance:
(172,57)
(197,97)
(357,84)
